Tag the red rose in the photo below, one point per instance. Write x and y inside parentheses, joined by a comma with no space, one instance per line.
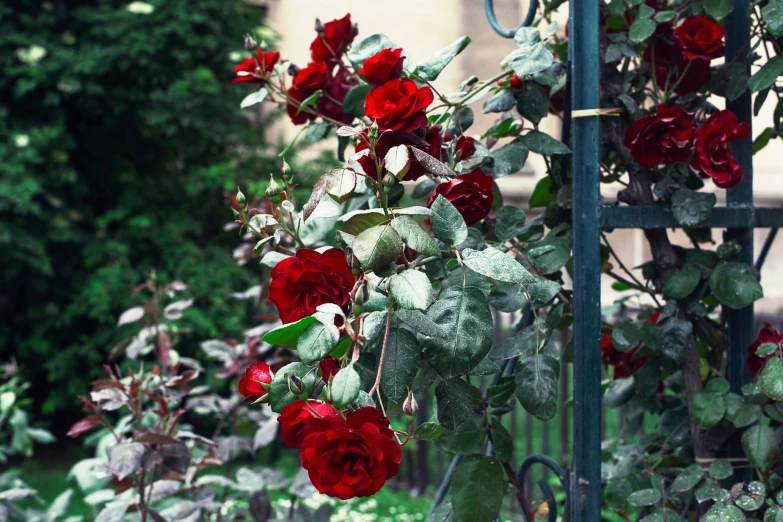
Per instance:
(250,70)
(701,38)
(297,96)
(329,368)
(712,157)
(663,138)
(313,77)
(470,193)
(251,385)
(337,34)
(384,66)
(296,416)
(624,363)
(398,105)
(671,65)
(513,83)
(352,457)
(766,335)
(389,140)
(309,279)
(465,147)
(338,87)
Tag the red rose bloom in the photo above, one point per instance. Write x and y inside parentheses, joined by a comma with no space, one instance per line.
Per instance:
(313,77)
(470,193)
(465,147)
(337,34)
(398,105)
(298,117)
(309,279)
(384,66)
(513,83)
(329,368)
(249,69)
(295,417)
(250,385)
(338,87)
(663,138)
(766,335)
(667,55)
(352,457)
(712,157)
(624,363)
(701,38)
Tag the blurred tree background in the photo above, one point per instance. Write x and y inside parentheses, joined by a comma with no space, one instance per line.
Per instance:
(120,132)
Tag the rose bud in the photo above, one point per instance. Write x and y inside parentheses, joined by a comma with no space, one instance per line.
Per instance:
(319,26)
(293,70)
(240,197)
(360,292)
(389,180)
(410,406)
(250,43)
(273,189)
(254,385)
(295,385)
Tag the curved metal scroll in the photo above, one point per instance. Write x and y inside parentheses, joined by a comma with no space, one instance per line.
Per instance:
(545,489)
(489,9)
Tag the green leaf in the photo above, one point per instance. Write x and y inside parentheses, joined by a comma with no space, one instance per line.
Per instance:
(766,349)
(502,101)
(317,341)
(644,497)
(369,47)
(708,409)
(529,59)
(309,101)
(718,8)
(256,97)
(495,264)
(508,297)
(447,223)
(377,246)
(509,159)
(542,194)
(773,16)
(341,183)
(683,282)
(509,222)
(477,489)
(400,363)
(415,237)
(428,431)
(345,387)
(687,479)
(280,395)
(761,445)
(544,144)
(771,379)
(461,121)
(503,444)
(500,391)
(465,314)
(287,335)
(527,341)
(721,469)
(353,103)
(455,403)
(735,285)
(314,132)
(641,30)
(430,67)
(397,161)
(692,208)
(533,103)
(411,290)
(766,76)
(551,254)
(536,378)
(717,385)
(626,336)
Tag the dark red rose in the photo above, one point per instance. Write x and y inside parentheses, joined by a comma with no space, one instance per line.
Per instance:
(337,88)
(513,83)
(309,279)
(352,457)
(766,335)
(313,77)
(701,38)
(398,105)
(663,138)
(251,384)
(625,364)
(470,193)
(296,97)
(294,418)
(329,368)
(336,36)
(465,147)
(250,70)
(712,156)
(384,66)
(686,76)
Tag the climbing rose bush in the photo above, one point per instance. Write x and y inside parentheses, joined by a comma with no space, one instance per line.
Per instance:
(389,278)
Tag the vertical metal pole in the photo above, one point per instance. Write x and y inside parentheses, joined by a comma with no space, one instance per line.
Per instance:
(584,53)
(741,322)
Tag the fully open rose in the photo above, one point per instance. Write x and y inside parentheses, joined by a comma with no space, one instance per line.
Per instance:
(350,457)
(296,416)
(663,138)
(712,157)
(398,105)
(384,66)
(252,69)
(701,38)
(471,195)
(309,279)
(331,43)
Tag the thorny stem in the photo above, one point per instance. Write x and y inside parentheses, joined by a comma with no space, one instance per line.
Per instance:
(383,352)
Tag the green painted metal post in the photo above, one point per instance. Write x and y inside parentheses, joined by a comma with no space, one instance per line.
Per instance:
(741,322)
(585,498)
